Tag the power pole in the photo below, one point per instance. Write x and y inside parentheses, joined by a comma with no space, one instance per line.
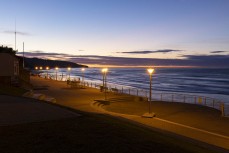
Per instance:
(15,36)
(23,57)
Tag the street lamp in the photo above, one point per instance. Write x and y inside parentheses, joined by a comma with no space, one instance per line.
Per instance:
(56,68)
(150,114)
(104,71)
(69,70)
(36,68)
(83,69)
(41,67)
(47,68)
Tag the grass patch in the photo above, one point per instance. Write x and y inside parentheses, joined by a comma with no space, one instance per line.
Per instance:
(14,91)
(91,133)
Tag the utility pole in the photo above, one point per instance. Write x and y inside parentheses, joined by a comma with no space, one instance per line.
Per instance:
(15,36)
(23,57)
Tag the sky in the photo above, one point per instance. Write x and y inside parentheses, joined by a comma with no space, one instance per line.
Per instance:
(118,29)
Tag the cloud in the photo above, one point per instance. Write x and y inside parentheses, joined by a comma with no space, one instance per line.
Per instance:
(18,32)
(215,52)
(221,61)
(151,51)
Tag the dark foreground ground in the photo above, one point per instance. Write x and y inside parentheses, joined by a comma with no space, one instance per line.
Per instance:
(92,133)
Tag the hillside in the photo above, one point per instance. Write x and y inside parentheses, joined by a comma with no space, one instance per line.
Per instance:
(33,62)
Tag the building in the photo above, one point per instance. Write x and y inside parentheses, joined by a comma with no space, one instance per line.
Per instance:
(9,68)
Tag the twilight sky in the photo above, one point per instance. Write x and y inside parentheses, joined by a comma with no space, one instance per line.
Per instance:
(166,29)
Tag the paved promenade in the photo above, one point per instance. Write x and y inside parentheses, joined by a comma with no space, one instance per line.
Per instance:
(82,99)
(18,110)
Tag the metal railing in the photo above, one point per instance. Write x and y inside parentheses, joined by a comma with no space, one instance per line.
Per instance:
(165,97)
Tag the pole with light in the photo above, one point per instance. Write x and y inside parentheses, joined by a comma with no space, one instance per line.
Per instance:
(56,68)
(150,88)
(104,71)
(150,114)
(69,73)
(47,69)
(82,70)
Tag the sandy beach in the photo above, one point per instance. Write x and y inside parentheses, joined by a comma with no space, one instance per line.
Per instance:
(197,122)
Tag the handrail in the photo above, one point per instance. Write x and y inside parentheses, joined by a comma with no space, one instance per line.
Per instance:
(163,96)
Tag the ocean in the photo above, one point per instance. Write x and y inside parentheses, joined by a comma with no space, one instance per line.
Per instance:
(208,82)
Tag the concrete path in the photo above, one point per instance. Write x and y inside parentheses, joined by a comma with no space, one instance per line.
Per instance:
(82,99)
(17,110)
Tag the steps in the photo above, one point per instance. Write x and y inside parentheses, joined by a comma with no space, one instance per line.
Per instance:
(39,96)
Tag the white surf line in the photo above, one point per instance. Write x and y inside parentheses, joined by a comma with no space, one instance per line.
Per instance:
(193,128)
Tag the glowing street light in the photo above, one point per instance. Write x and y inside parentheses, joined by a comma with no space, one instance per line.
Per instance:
(82,70)
(104,71)
(150,114)
(41,67)
(69,70)
(47,68)
(150,74)
(36,68)
(56,68)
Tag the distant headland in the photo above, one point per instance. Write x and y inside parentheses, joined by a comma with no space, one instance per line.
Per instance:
(31,63)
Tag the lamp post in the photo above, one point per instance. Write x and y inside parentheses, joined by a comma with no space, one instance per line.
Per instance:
(69,70)
(56,68)
(47,69)
(150,114)
(41,67)
(104,71)
(150,88)
(83,69)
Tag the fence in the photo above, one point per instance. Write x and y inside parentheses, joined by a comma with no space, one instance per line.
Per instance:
(166,97)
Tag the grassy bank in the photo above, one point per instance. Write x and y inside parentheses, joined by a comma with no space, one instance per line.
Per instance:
(14,91)
(91,133)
